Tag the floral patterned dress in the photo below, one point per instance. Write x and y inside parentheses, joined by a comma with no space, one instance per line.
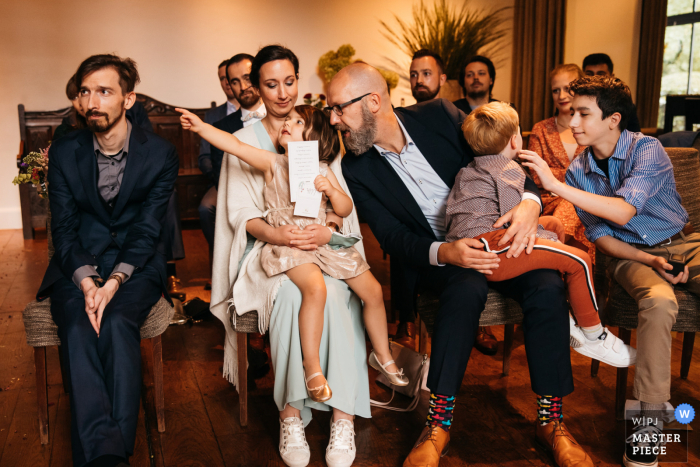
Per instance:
(546,142)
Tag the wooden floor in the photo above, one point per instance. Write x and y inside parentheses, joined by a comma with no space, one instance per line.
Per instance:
(494,416)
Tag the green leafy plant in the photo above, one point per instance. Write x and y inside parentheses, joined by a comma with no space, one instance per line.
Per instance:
(455,34)
(333,61)
(33,169)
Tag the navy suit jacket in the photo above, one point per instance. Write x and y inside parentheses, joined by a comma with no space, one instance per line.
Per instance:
(81,226)
(230,124)
(386,204)
(205,161)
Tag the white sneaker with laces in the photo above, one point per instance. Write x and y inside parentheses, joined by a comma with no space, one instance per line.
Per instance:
(608,348)
(294,449)
(341,447)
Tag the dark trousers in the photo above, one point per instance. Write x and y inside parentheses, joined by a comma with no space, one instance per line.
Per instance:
(463,292)
(172,228)
(104,372)
(207,215)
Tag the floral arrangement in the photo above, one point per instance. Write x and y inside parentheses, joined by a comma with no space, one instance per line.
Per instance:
(33,169)
(315,100)
(332,62)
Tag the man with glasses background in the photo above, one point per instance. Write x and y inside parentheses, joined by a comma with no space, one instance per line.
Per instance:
(400,169)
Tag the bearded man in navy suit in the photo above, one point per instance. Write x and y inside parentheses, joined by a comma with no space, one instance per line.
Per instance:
(400,168)
(109,190)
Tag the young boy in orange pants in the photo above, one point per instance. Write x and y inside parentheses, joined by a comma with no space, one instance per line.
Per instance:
(491,185)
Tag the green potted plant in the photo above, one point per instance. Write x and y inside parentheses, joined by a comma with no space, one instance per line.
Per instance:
(455,33)
(333,61)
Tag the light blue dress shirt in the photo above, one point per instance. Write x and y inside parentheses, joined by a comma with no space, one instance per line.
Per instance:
(641,173)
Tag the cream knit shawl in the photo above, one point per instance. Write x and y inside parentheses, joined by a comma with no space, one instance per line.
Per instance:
(235,292)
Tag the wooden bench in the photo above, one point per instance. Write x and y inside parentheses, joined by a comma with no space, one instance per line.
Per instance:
(36,131)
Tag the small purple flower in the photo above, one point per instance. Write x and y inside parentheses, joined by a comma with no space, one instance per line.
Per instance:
(24,165)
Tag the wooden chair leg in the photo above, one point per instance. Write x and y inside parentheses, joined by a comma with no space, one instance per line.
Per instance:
(508,334)
(688,342)
(64,375)
(158,393)
(242,339)
(42,395)
(595,364)
(621,385)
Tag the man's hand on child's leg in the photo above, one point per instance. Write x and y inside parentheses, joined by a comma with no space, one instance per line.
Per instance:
(523,219)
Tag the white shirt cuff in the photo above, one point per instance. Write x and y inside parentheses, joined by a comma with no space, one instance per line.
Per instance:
(528,195)
(434,253)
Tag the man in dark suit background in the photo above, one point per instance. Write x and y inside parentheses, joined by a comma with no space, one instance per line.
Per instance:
(109,189)
(251,110)
(400,168)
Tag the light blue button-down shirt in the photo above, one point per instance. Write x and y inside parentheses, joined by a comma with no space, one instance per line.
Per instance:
(424,184)
(641,173)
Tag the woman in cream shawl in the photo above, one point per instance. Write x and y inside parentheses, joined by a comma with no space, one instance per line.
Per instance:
(239,285)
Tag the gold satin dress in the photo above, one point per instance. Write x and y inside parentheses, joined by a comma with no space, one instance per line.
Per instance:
(344,263)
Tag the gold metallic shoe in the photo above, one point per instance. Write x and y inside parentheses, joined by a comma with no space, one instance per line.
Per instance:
(320,393)
(397,379)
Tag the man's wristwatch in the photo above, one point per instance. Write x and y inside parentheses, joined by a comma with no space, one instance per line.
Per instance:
(117,277)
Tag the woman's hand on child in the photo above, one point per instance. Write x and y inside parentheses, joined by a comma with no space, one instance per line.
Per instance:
(324,185)
(467,253)
(538,165)
(290,235)
(319,235)
(662,267)
(189,120)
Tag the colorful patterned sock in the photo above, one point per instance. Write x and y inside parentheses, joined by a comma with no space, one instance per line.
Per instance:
(549,409)
(440,411)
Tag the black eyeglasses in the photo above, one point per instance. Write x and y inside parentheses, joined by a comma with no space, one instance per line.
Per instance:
(338,109)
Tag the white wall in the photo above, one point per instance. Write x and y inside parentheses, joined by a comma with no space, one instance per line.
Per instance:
(177,45)
(605,26)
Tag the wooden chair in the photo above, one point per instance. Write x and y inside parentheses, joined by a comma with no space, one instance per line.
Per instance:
(245,324)
(499,310)
(42,332)
(619,309)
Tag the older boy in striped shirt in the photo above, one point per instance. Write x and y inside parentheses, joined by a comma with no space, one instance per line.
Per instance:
(625,194)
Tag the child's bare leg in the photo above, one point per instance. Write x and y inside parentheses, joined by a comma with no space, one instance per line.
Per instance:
(370,292)
(309,279)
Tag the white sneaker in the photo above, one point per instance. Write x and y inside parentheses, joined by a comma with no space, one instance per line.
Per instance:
(576,336)
(341,447)
(294,449)
(608,348)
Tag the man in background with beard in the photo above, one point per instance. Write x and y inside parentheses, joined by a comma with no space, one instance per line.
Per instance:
(427,75)
(109,189)
(476,78)
(250,111)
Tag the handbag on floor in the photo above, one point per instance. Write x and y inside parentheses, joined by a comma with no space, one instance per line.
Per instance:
(414,367)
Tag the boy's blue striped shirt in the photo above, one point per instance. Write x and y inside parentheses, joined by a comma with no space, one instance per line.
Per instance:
(641,173)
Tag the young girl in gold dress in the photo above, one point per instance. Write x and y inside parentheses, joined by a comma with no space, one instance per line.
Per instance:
(306,268)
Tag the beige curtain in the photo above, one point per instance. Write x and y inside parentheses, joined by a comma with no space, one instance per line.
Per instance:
(651,57)
(538,46)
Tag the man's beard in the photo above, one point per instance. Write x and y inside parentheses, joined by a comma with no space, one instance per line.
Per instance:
(361,140)
(423,94)
(101,125)
(248,98)
(478,94)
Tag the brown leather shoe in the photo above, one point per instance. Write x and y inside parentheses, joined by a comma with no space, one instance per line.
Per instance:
(555,438)
(174,289)
(430,447)
(406,335)
(486,342)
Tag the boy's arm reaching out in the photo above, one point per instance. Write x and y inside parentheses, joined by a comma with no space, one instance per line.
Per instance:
(259,158)
(616,210)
